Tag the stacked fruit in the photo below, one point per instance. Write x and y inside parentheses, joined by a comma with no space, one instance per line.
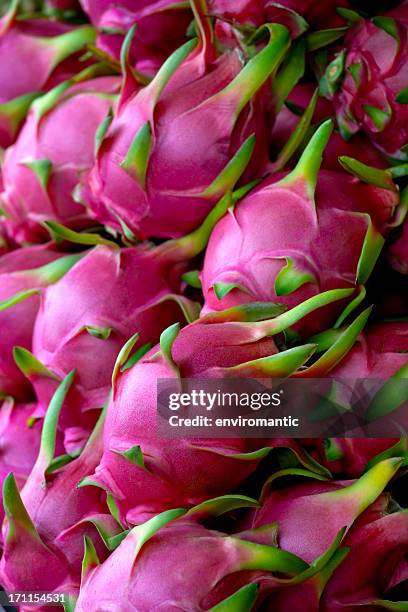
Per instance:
(203,189)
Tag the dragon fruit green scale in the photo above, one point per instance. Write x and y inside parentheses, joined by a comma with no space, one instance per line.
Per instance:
(171,152)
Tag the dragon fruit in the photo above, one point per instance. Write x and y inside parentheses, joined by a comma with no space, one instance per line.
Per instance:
(367,81)
(379,353)
(349,457)
(23,274)
(299,99)
(143,475)
(168,156)
(50,518)
(34,48)
(383,543)
(161,28)
(310,514)
(288,239)
(140,574)
(112,307)
(41,171)
(319,509)
(120,292)
(250,14)
(19,442)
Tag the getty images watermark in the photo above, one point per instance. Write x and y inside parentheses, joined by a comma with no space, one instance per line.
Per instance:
(254,408)
(219,400)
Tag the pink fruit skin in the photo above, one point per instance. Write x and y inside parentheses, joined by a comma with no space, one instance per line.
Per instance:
(18,273)
(122,290)
(382,74)
(195,132)
(33,65)
(354,585)
(249,245)
(151,582)
(21,41)
(383,543)
(161,28)
(65,136)
(62,514)
(19,442)
(309,515)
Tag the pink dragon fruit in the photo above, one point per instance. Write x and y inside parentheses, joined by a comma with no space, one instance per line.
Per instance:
(144,475)
(367,81)
(141,573)
(161,28)
(379,353)
(350,456)
(41,170)
(317,509)
(244,14)
(288,239)
(34,48)
(169,155)
(308,516)
(23,273)
(107,297)
(398,251)
(299,99)
(48,522)
(383,544)
(19,442)
(119,292)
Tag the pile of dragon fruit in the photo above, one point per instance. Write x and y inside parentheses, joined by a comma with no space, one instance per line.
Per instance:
(203,189)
